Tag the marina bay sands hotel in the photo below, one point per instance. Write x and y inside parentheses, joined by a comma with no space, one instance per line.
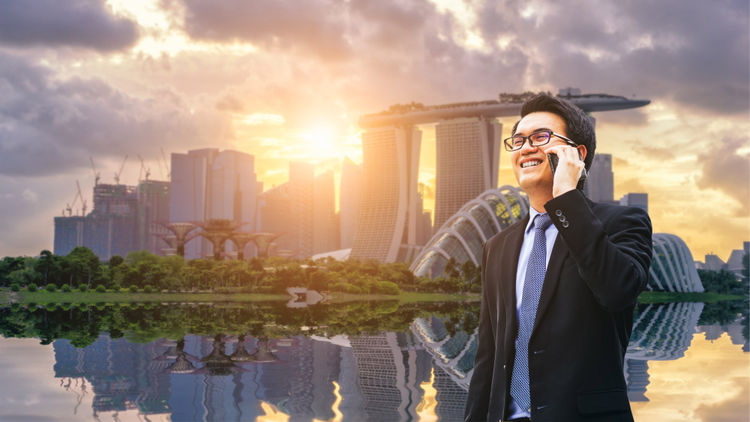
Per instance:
(468,145)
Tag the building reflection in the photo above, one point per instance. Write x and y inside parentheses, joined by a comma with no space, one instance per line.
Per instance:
(409,375)
(660,332)
(368,377)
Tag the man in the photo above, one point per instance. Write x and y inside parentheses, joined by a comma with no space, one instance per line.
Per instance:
(559,287)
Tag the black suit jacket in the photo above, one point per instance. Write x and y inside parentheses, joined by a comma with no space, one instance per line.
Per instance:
(598,267)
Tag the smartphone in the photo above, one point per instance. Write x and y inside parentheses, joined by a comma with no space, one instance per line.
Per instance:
(553,159)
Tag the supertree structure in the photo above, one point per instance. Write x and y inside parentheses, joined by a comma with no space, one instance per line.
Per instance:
(217,231)
(180,231)
(263,241)
(241,240)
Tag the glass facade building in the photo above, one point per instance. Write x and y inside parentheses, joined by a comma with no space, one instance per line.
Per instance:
(461,236)
(672,266)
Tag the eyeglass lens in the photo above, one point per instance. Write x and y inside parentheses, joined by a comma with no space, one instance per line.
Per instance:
(536,139)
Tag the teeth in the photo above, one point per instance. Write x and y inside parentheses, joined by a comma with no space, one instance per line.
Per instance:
(531,164)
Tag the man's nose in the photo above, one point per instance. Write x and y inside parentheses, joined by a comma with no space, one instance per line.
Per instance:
(527,148)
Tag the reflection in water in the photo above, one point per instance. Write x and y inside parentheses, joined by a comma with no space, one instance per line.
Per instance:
(660,332)
(262,371)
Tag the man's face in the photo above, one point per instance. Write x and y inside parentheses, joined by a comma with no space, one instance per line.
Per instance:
(536,175)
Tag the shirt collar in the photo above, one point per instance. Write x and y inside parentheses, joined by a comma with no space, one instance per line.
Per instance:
(532,214)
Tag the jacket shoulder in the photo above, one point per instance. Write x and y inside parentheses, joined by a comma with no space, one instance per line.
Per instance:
(499,238)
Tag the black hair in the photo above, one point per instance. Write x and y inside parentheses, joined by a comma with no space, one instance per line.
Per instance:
(578,127)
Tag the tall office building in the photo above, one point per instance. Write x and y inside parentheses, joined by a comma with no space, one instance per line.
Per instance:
(124,219)
(190,193)
(601,181)
(289,209)
(112,227)
(209,184)
(69,233)
(153,208)
(350,201)
(424,220)
(275,215)
(324,214)
(638,200)
(468,156)
(234,185)
(301,187)
(387,229)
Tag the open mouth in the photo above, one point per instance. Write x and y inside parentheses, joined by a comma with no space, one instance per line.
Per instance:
(532,163)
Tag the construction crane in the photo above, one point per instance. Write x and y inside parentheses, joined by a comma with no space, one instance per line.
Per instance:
(83,201)
(161,172)
(143,167)
(96,175)
(169,172)
(117,175)
(69,206)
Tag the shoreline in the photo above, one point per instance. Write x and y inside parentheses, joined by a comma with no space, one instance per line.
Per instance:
(335,297)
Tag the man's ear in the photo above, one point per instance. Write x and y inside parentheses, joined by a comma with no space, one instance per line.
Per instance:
(583,150)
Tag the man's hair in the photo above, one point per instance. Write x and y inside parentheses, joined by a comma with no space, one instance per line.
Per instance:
(578,127)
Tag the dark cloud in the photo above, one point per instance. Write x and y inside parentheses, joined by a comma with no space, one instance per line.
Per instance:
(72,23)
(726,171)
(315,26)
(695,54)
(48,125)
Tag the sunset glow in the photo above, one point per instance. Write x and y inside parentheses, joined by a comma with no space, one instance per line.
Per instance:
(191,74)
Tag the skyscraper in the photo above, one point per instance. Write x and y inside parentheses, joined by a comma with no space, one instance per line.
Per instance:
(209,184)
(289,209)
(324,214)
(468,156)
(153,208)
(601,181)
(350,201)
(301,187)
(190,193)
(233,190)
(639,200)
(387,229)
(112,227)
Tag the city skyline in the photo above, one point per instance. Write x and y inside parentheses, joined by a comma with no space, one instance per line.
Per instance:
(183,75)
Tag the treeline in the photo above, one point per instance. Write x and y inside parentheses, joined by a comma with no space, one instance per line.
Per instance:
(83,323)
(144,271)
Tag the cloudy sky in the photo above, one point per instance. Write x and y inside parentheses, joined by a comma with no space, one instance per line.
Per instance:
(286,81)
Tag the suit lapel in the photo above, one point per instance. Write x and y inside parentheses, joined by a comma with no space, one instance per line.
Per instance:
(551,279)
(508,269)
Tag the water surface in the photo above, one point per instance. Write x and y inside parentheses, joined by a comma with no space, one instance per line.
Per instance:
(355,361)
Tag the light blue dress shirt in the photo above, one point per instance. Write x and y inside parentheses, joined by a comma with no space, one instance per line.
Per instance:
(523,262)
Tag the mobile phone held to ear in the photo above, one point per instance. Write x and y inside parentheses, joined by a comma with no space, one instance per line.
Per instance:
(553,159)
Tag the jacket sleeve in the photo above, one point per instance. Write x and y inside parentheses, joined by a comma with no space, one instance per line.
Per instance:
(613,258)
(477,405)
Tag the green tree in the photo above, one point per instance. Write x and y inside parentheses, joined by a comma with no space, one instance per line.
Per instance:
(82,266)
(451,268)
(44,264)
(319,281)
(723,282)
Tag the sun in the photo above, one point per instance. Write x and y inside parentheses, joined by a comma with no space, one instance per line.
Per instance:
(319,138)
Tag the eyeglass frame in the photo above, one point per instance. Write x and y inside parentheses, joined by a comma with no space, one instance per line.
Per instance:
(528,138)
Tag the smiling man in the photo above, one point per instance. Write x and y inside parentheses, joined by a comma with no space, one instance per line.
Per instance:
(559,287)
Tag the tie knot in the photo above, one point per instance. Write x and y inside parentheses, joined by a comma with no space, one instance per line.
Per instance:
(542,221)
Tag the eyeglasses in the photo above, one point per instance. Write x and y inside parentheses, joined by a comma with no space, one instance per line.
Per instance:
(539,138)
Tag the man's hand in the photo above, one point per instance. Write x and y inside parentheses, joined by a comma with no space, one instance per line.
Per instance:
(569,169)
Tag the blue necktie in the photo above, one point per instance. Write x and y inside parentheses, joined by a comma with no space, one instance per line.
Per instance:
(532,289)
